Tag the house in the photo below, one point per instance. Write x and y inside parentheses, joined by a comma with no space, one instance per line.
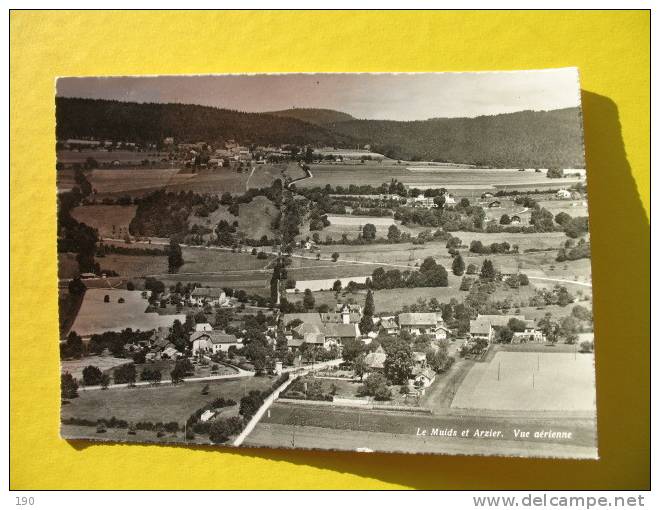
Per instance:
(389,326)
(376,360)
(515,220)
(480,329)
(531,334)
(340,332)
(442,332)
(419,323)
(449,200)
(423,377)
(204,326)
(201,296)
(421,201)
(170,353)
(487,195)
(563,194)
(495,204)
(213,341)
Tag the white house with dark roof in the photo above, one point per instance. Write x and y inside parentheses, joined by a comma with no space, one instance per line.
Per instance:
(201,296)
(213,341)
(425,323)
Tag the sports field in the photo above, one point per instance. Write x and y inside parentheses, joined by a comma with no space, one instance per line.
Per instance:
(530,381)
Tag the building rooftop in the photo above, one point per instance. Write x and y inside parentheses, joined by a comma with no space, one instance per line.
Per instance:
(418,319)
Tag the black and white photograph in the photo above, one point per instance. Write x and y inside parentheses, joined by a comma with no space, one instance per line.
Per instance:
(361,262)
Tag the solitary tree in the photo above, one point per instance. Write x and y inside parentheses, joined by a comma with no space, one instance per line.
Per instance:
(174,257)
(308,299)
(393,234)
(69,386)
(399,362)
(487,270)
(335,256)
(336,286)
(458,265)
(369,232)
(92,375)
(367,323)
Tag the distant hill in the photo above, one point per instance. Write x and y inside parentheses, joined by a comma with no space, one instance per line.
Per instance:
(152,122)
(522,139)
(531,139)
(318,116)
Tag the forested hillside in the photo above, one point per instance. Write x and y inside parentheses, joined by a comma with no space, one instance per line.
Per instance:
(530,139)
(521,139)
(319,116)
(151,122)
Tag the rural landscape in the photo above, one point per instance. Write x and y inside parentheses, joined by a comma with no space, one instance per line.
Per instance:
(312,277)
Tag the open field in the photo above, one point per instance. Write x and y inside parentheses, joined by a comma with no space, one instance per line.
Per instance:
(98,316)
(104,156)
(165,402)
(109,220)
(470,179)
(213,180)
(133,265)
(254,218)
(104,363)
(114,180)
(196,260)
(530,381)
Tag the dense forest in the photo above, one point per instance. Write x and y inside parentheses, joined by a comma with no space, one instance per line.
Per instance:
(521,139)
(529,139)
(319,116)
(152,122)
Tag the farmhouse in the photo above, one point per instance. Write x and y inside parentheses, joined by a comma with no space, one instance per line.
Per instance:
(212,341)
(531,334)
(480,329)
(419,323)
(212,296)
(563,194)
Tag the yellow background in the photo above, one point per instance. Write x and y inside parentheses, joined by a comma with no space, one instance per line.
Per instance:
(612,52)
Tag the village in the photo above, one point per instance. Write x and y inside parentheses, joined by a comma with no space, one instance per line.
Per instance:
(228,293)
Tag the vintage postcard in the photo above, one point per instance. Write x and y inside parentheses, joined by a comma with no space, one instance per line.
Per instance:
(362,262)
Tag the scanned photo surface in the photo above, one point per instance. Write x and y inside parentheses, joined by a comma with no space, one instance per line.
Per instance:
(362,262)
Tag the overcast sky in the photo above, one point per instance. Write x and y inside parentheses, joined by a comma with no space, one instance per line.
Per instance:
(365,96)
